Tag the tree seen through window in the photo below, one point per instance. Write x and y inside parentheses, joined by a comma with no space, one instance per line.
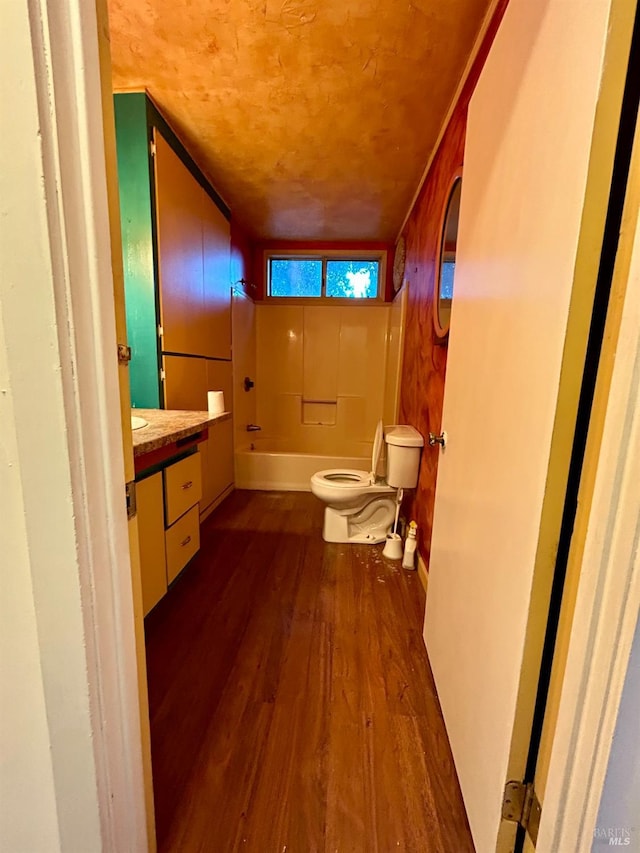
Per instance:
(315,277)
(352,279)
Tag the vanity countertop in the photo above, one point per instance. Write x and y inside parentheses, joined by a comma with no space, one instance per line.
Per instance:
(167,426)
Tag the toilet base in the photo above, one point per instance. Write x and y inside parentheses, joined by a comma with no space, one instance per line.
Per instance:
(366,525)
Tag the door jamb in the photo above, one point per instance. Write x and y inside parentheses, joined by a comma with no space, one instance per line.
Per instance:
(67,72)
(601,330)
(608,598)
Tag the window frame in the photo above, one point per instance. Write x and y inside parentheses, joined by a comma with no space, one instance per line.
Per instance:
(379,255)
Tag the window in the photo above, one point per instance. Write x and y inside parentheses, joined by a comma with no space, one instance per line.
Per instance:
(447,274)
(330,277)
(295,277)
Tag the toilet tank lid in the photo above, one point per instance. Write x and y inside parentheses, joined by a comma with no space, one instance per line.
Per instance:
(403,435)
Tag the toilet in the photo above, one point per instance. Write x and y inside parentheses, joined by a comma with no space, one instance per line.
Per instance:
(360,506)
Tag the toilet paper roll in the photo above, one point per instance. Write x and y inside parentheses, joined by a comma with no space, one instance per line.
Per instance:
(215,400)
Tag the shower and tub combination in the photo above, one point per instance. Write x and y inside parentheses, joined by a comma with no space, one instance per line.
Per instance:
(324,376)
(267,464)
(272,464)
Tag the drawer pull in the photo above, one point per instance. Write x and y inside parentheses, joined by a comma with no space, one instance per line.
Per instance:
(185,541)
(187,485)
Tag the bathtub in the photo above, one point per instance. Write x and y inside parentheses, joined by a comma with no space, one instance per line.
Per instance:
(267,467)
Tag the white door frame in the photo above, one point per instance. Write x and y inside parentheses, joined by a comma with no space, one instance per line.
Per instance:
(61,374)
(608,598)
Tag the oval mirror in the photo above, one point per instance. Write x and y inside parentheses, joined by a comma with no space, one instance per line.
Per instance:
(447,265)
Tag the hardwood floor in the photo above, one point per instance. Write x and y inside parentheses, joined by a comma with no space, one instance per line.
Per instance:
(292,705)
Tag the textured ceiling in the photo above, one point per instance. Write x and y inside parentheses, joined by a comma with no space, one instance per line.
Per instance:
(314,119)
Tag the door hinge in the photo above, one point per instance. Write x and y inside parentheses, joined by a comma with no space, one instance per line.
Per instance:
(160,332)
(124,354)
(130,492)
(163,374)
(520,804)
(152,148)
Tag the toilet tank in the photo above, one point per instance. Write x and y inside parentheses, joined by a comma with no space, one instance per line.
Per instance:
(404,444)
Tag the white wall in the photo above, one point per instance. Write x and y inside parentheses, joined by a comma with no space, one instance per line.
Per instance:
(619,814)
(48,784)
(28,819)
(70,740)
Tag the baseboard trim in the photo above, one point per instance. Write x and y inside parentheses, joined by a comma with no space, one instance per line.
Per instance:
(423,574)
(206,512)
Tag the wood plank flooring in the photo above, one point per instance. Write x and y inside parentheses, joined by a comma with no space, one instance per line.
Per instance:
(292,705)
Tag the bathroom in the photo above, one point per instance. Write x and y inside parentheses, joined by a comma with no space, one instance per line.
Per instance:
(304,388)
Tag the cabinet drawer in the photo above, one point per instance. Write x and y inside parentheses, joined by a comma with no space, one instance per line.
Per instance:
(153,563)
(182,487)
(183,541)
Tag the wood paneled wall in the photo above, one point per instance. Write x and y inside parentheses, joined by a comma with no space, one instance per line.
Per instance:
(425,360)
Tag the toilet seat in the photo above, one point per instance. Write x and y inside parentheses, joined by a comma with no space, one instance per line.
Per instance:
(343,478)
(345,485)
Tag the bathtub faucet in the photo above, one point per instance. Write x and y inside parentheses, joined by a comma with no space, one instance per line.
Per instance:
(253,428)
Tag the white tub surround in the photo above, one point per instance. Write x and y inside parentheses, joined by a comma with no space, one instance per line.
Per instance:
(266,469)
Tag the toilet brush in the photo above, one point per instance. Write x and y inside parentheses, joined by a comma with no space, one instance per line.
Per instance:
(393,545)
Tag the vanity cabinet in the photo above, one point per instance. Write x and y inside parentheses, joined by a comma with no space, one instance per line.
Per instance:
(168,524)
(153,560)
(186,383)
(193,238)
(183,542)
(177,268)
(182,487)
(217,284)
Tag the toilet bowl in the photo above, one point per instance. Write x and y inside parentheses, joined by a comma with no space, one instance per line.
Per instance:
(360,506)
